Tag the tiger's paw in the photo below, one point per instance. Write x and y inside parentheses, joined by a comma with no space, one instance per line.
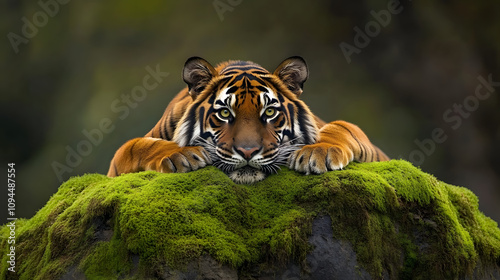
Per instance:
(185,159)
(320,158)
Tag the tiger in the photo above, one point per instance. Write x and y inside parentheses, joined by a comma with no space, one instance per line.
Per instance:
(248,123)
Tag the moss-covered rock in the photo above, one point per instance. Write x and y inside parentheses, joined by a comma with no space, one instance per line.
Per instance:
(371,220)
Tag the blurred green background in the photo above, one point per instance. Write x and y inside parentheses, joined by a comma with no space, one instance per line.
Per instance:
(67,65)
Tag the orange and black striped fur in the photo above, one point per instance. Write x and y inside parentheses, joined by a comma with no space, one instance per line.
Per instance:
(247,122)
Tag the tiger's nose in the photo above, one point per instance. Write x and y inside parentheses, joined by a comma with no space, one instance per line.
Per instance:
(247,152)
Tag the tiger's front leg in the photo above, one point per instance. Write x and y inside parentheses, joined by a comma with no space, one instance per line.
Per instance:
(148,153)
(339,143)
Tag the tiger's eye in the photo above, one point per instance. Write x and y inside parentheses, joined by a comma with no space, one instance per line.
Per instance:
(224,113)
(270,112)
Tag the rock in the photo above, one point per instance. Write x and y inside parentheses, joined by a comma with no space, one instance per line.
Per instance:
(385,220)
(331,259)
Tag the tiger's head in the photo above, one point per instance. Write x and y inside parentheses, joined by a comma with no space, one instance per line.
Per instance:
(248,119)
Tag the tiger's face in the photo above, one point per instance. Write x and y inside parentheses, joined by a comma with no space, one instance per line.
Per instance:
(247,119)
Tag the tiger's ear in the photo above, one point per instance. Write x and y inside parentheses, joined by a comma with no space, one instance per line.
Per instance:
(293,72)
(197,73)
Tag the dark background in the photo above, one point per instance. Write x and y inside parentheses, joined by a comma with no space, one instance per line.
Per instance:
(71,72)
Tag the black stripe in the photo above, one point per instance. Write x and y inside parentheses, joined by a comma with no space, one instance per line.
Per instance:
(209,112)
(232,90)
(361,147)
(223,82)
(227,101)
(280,97)
(248,76)
(148,150)
(211,99)
(131,149)
(282,122)
(255,78)
(191,119)
(230,72)
(219,102)
(291,111)
(242,67)
(303,120)
(263,89)
(162,132)
(288,134)
(173,126)
(201,117)
(153,144)
(247,83)
(212,123)
(165,129)
(206,135)
(270,155)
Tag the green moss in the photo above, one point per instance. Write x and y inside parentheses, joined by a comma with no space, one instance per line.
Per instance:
(401,222)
